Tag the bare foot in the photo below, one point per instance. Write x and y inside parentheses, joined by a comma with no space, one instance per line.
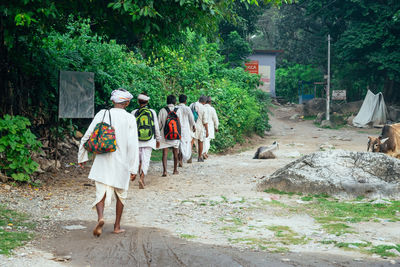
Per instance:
(118,231)
(99,228)
(176,172)
(164,174)
(189,160)
(141,183)
(180,164)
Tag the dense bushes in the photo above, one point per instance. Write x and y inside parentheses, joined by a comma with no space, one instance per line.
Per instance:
(16,146)
(288,78)
(193,67)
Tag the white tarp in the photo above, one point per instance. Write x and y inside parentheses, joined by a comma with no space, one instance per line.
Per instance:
(373,110)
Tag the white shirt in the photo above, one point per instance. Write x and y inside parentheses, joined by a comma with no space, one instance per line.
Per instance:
(156,137)
(162,118)
(114,168)
(213,121)
(187,122)
(201,120)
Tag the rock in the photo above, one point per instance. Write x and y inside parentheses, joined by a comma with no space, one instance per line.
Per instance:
(295,117)
(327,124)
(7,187)
(74,227)
(394,113)
(65,145)
(314,106)
(266,152)
(320,117)
(3,178)
(326,146)
(394,251)
(347,108)
(350,120)
(78,135)
(47,164)
(339,173)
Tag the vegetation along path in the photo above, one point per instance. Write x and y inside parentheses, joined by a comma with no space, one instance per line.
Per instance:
(211,214)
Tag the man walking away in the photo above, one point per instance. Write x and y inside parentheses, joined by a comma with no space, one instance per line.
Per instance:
(213,124)
(111,171)
(201,125)
(187,127)
(169,119)
(148,132)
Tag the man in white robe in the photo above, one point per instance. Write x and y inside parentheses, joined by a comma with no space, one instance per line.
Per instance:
(213,124)
(146,147)
(201,126)
(187,127)
(111,171)
(165,143)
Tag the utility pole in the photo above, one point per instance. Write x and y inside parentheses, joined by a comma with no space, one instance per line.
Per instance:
(328,79)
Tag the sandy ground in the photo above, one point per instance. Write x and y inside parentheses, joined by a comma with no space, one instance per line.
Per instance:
(205,216)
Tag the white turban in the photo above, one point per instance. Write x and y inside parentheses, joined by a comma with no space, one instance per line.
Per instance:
(143,97)
(120,95)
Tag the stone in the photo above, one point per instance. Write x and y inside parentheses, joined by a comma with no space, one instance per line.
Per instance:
(7,187)
(394,113)
(78,135)
(314,106)
(350,120)
(339,173)
(295,117)
(266,152)
(74,227)
(320,117)
(327,124)
(3,178)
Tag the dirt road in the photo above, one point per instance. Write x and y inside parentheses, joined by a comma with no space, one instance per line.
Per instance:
(208,215)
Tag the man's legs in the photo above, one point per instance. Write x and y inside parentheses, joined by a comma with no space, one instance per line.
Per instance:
(100,217)
(200,156)
(176,152)
(164,161)
(118,215)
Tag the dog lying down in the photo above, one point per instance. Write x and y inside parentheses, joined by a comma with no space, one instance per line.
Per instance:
(266,152)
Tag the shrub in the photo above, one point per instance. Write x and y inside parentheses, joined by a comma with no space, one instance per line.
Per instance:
(16,146)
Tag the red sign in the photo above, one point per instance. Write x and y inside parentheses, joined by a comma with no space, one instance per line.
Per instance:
(252,66)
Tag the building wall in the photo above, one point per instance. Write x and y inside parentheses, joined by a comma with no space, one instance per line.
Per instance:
(267,61)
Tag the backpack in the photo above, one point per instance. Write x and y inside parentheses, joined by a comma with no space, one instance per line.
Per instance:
(145,124)
(195,113)
(102,140)
(172,128)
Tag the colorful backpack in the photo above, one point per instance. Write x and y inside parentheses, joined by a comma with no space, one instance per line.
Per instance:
(195,114)
(102,140)
(172,128)
(145,124)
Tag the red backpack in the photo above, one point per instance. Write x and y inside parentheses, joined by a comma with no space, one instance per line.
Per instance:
(172,128)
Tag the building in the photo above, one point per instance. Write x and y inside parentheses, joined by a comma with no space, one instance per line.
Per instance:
(263,62)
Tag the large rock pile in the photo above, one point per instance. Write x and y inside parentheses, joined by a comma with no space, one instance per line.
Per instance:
(339,173)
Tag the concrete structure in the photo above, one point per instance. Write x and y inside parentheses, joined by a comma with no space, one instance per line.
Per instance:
(266,68)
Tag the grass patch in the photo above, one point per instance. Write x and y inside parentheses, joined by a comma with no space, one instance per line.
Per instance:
(307,198)
(335,211)
(384,250)
(328,242)
(232,229)
(287,236)
(187,236)
(15,230)
(352,245)
(276,191)
(309,118)
(337,228)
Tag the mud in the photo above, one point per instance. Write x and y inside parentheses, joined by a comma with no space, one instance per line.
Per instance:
(155,247)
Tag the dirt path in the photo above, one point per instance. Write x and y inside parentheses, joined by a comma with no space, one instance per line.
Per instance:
(208,215)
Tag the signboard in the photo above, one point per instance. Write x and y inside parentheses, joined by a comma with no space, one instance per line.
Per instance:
(252,66)
(339,95)
(76,91)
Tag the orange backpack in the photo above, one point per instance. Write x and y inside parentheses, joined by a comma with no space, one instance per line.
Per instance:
(172,128)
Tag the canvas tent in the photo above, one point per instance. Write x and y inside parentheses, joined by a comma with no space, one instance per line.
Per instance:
(373,111)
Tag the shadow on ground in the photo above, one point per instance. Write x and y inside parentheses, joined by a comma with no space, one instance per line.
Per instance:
(155,247)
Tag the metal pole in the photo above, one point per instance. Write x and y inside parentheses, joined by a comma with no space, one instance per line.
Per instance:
(329,79)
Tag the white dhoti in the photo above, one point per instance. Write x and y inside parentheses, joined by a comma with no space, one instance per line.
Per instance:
(145,155)
(207,144)
(108,191)
(186,149)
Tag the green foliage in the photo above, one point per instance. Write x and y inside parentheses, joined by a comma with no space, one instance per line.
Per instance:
(287,80)
(236,49)
(16,146)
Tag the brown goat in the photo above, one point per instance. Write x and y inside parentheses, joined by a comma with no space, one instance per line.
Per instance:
(388,142)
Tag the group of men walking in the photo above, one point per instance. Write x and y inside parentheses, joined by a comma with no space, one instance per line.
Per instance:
(178,127)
